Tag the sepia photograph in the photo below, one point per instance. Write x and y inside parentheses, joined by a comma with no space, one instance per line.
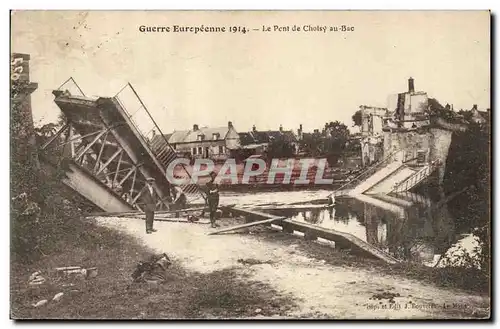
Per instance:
(230,165)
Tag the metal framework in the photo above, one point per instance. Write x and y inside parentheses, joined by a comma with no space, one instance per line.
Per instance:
(99,154)
(103,140)
(159,147)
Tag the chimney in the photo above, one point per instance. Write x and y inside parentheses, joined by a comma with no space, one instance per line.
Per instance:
(300,127)
(195,127)
(229,124)
(474,107)
(281,128)
(411,85)
(254,128)
(316,131)
(154,133)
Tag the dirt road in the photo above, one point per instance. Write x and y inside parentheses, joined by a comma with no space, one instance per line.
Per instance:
(318,288)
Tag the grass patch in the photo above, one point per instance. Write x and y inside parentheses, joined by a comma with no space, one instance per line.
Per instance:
(110,295)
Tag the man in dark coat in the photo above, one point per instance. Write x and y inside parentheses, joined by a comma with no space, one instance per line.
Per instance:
(212,197)
(148,197)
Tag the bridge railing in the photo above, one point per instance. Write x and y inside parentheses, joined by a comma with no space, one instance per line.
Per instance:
(415,179)
(147,127)
(72,87)
(367,172)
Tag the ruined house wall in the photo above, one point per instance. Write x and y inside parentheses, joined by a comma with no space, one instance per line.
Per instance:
(410,141)
(371,150)
(416,102)
(435,143)
(440,146)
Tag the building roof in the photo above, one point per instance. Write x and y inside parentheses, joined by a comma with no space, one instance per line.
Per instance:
(178,136)
(289,136)
(260,137)
(208,133)
(484,114)
(310,135)
(188,136)
(246,138)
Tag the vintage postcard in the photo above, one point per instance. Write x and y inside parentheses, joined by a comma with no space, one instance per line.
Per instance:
(250,165)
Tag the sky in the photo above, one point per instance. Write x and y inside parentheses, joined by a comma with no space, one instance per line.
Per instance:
(266,79)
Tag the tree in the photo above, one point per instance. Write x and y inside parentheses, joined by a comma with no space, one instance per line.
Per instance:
(280,148)
(334,142)
(336,130)
(468,165)
(311,144)
(353,147)
(357,118)
(435,109)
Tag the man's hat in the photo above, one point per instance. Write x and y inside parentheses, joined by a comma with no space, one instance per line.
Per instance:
(150,179)
(213,173)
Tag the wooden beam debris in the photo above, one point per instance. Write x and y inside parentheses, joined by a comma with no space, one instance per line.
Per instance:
(135,213)
(177,220)
(302,207)
(343,240)
(237,227)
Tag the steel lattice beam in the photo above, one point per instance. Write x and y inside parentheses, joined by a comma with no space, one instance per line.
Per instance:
(93,158)
(103,141)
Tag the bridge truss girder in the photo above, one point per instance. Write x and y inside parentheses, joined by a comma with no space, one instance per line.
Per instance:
(99,154)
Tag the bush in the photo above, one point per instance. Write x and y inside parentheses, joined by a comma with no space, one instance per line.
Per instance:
(39,203)
(38,218)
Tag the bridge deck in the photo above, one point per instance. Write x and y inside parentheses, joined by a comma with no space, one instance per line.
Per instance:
(342,240)
(110,149)
(87,113)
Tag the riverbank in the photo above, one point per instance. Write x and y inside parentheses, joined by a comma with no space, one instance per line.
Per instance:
(256,273)
(110,295)
(320,284)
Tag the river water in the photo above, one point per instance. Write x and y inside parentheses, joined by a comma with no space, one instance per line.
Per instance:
(411,228)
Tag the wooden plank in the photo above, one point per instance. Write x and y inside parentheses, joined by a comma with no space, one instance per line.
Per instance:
(181,220)
(159,216)
(132,213)
(347,238)
(247,212)
(173,220)
(293,207)
(237,227)
(315,202)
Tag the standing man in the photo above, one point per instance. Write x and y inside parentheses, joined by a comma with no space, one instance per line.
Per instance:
(212,197)
(148,197)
